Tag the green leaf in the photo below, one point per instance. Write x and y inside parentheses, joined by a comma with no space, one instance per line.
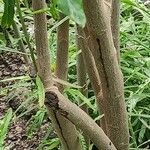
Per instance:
(4,126)
(78,95)
(53,144)
(73,9)
(129,2)
(8,14)
(60,81)
(25,78)
(41,92)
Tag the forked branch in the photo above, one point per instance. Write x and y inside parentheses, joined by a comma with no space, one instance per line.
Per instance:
(61,105)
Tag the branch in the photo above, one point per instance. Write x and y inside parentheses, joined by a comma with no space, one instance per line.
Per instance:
(115,25)
(62,51)
(92,70)
(68,130)
(56,101)
(69,141)
(81,70)
(41,40)
(82,78)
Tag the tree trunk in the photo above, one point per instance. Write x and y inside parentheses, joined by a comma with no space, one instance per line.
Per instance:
(104,53)
(44,72)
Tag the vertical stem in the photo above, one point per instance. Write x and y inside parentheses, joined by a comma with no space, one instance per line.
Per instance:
(62,51)
(25,33)
(41,40)
(92,71)
(81,71)
(68,130)
(81,77)
(115,25)
(20,42)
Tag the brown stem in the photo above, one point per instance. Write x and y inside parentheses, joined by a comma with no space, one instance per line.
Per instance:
(81,71)
(62,51)
(41,40)
(44,72)
(92,71)
(78,117)
(81,78)
(109,71)
(68,130)
(115,23)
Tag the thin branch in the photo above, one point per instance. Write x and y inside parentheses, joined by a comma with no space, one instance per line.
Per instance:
(92,71)
(56,101)
(62,51)
(82,79)
(68,129)
(115,25)
(81,70)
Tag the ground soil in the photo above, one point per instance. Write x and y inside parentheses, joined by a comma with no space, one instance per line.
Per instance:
(12,65)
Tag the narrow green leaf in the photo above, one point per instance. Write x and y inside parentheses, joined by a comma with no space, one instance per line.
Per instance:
(77,94)
(25,78)
(8,14)
(54,143)
(4,126)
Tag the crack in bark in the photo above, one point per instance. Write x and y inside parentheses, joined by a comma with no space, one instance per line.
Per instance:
(61,131)
(51,100)
(101,58)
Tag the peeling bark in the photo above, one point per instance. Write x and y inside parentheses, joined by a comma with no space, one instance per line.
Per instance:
(104,53)
(78,117)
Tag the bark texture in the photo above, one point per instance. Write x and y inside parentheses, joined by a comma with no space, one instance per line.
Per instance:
(82,78)
(115,25)
(44,72)
(78,117)
(104,53)
(81,71)
(92,71)
(68,129)
(62,51)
